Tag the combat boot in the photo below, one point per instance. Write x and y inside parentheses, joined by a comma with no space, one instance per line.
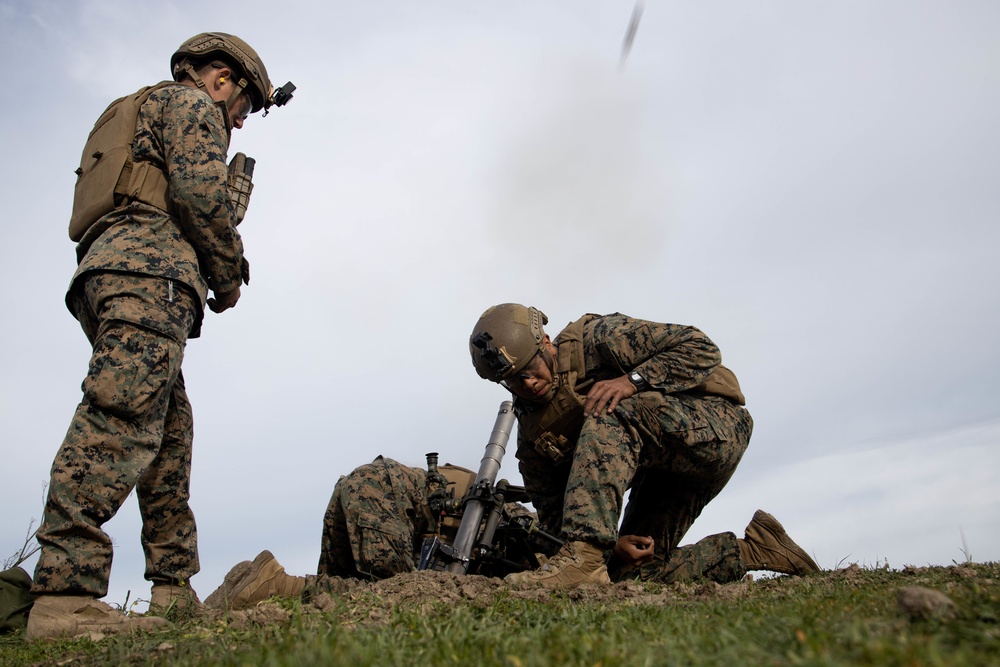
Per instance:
(576,563)
(71,616)
(167,598)
(249,583)
(768,547)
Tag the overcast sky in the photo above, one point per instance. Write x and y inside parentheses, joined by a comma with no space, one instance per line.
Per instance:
(814,185)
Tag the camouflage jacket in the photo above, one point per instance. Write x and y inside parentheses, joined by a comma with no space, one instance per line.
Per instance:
(672,358)
(181,132)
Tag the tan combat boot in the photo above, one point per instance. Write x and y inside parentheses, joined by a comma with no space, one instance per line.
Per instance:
(71,616)
(249,583)
(576,563)
(768,547)
(167,598)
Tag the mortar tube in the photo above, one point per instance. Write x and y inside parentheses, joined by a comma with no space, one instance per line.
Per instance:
(472,515)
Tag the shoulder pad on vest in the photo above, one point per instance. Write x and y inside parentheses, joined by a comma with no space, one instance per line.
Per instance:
(569,344)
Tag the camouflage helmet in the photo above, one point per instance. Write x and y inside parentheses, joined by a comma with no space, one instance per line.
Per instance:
(505,339)
(235,51)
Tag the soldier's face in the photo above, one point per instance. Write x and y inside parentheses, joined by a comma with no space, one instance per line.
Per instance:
(536,382)
(240,110)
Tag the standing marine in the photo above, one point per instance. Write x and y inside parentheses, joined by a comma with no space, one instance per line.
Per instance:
(614,404)
(154,214)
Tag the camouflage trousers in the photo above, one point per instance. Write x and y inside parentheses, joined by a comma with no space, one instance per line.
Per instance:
(676,453)
(376,517)
(133,429)
(715,558)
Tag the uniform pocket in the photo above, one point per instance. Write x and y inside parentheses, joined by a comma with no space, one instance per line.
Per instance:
(693,429)
(130,370)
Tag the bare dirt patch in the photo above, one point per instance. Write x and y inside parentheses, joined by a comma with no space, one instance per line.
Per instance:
(360,603)
(364,603)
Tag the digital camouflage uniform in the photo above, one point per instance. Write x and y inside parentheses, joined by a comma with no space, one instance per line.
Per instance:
(376,521)
(675,444)
(139,293)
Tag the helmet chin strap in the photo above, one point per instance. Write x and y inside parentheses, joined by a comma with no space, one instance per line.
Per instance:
(227,119)
(230,103)
(198,81)
(240,87)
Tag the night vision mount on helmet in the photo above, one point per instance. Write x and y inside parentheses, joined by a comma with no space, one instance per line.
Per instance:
(505,339)
(253,74)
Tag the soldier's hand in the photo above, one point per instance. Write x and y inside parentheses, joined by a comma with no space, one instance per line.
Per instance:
(240,182)
(606,394)
(634,549)
(224,300)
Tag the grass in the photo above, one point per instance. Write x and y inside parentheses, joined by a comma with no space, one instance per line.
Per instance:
(845,617)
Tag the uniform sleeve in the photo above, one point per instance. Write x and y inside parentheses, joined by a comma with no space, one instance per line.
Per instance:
(673,357)
(195,144)
(545,484)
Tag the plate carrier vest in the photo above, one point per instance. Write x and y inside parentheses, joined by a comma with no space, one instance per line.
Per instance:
(108,178)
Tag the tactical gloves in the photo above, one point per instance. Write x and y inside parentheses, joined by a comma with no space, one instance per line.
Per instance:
(240,183)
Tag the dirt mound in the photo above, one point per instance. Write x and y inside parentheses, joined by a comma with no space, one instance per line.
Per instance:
(367,603)
(363,603)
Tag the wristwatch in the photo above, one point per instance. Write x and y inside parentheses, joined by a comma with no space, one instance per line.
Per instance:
(640,382)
